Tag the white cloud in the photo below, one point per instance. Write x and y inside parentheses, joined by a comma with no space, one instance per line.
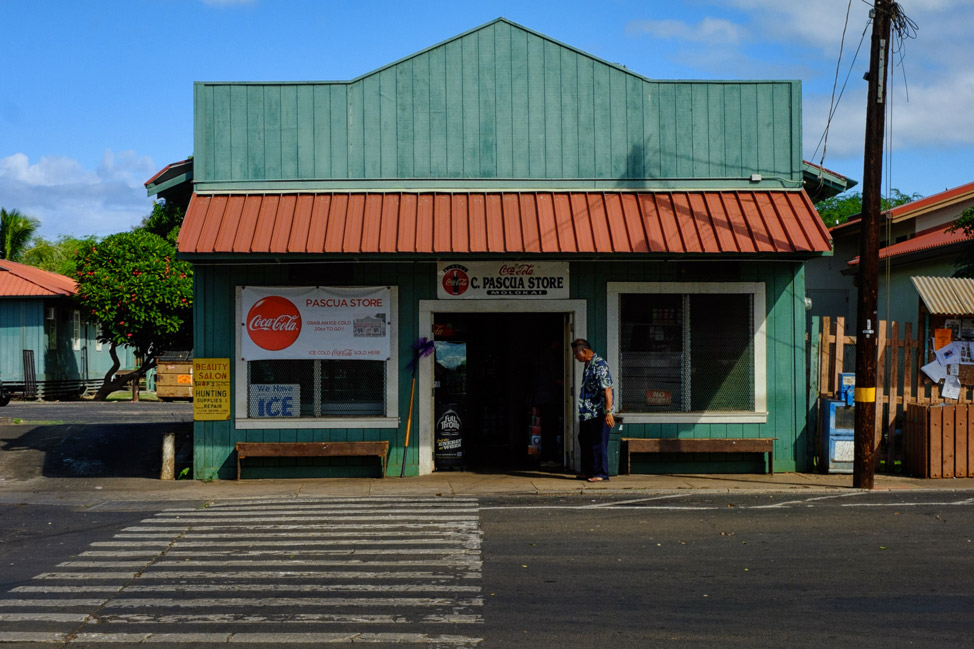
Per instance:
(708,30)
(69,199)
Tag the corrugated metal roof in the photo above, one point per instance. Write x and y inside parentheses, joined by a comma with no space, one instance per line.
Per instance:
(19,280)
(946,295)
(916,208)
(937,237)
(711,222)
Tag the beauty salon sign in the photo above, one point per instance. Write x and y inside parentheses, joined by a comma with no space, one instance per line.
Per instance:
(315,322)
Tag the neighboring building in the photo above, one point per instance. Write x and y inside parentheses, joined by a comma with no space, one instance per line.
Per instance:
(500,194)
(47,348)
(914,242)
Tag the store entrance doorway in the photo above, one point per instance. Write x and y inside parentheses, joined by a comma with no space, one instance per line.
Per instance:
(499,390)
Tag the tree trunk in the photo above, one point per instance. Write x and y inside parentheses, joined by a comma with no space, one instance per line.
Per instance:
(114,381)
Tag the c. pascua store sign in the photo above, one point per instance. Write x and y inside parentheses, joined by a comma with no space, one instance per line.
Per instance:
(502,280)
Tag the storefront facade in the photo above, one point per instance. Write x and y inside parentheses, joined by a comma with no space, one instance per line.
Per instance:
(477,206)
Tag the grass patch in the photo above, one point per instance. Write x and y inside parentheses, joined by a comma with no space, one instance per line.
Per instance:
(126,395)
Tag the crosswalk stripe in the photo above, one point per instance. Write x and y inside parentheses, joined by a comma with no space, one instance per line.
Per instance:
(381,518)
(314,526)
(306,511)
(136,602)
(354,533)
(262,587)
(249,638)
(354,500)
(444,561)
(280,565)
(310,540)
(43,603)
(291,551)
(253,574)
(299,618)
(43,617)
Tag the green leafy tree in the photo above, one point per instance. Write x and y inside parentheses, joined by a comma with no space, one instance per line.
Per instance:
(58,256)
(132,284)
(964,266)
(839,209)
(16,231)
(164,220)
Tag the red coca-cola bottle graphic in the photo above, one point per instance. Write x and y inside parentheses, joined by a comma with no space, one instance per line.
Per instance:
(455,281)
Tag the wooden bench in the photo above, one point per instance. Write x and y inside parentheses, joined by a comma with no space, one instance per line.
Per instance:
(699,445)
(313,449)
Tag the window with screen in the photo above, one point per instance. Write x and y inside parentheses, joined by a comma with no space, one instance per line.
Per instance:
(688,348)
(317,388)
(284,385)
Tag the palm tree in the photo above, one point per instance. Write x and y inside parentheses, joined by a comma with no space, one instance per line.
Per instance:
(16,230)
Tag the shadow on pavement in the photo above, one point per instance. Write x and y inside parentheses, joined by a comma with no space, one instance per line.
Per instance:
(90,450)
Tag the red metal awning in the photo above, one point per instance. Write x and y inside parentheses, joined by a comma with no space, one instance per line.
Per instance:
(936,237)
(708,222)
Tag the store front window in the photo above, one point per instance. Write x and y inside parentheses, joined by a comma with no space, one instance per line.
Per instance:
(688,349)
(318,388)
(317,357)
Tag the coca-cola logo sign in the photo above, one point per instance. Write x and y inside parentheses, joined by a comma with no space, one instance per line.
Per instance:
(273,323)
(455,280)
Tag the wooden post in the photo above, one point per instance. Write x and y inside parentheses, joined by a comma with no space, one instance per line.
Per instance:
(864,464)
(168,457)
(894,393)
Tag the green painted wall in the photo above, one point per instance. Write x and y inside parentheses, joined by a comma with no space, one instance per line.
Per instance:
(499,103)
(785,329)
(215,287)
(215,338)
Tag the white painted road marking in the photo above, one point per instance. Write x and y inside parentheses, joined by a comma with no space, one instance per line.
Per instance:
(300,566)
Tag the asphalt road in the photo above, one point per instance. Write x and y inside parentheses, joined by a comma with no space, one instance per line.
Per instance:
(856,570)
(861,570)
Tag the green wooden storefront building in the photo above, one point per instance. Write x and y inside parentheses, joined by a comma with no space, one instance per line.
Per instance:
(496,196)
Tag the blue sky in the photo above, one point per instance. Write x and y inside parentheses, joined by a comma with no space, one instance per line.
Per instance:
(95,97)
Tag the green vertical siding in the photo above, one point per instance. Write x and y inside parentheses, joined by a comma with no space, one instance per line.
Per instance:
(498,102)
(785,369)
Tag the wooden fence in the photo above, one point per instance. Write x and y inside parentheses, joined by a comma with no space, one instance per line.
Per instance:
(899,381)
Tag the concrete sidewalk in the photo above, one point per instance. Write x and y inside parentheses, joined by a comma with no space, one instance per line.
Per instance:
(81,491)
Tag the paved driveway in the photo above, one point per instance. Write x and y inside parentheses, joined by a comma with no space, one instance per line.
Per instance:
(89,439)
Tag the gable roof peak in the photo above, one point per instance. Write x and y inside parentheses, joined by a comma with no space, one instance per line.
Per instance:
(514,25)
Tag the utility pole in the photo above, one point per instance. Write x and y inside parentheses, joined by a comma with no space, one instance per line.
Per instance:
(864,460)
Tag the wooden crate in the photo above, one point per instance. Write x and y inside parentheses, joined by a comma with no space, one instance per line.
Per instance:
(174,380)
(938,441)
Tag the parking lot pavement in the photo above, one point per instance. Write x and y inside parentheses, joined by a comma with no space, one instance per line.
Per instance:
(88,439)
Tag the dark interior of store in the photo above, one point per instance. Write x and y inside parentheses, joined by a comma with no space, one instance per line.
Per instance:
(499,391)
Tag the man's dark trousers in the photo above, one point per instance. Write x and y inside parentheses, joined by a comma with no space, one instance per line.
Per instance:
(593,440)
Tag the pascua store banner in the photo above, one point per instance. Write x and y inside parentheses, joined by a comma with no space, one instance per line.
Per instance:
(315,322)
(503,280)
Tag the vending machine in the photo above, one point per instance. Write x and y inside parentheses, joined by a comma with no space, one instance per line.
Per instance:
(838,427)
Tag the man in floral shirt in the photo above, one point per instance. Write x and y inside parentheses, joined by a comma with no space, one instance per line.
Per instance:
(594,412)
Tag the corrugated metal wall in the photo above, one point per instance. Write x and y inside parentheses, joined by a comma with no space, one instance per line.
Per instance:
(500,102)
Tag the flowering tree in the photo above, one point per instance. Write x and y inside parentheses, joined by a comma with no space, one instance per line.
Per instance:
(132,284)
